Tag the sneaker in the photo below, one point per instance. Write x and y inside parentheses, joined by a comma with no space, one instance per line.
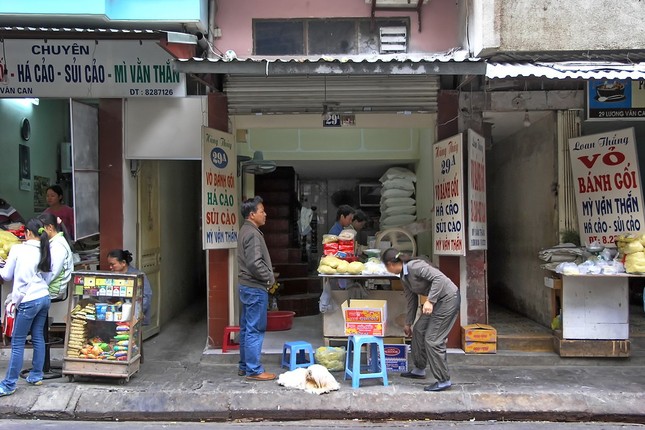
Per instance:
(34,382)
(438,386)
(264,376)
(4,391)
(241,372)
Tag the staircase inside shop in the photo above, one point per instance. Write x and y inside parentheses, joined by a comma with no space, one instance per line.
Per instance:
(300,291)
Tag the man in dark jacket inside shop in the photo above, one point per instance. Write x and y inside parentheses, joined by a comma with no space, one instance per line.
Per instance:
(255,276)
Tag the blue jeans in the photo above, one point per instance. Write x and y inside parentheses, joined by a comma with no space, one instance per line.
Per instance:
(30,316)
(253,324)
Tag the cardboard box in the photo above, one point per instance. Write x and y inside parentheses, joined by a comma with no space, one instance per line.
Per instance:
(480,347)
(396,357)
(479,339)
(396,354)
(479,333)
(554,283)
(396,285)
(365,317)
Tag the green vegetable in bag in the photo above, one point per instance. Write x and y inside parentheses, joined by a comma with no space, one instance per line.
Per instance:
(331,357)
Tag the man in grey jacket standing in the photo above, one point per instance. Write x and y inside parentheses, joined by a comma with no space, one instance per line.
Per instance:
(255,276)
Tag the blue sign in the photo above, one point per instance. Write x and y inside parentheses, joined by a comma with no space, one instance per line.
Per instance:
(617,99)
(219,158)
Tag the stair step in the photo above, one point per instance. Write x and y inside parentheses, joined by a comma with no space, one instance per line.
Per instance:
(276,240)
(286,255)
(292,270)
(276,198)
(278,211)
(301,286)
(277,226)
(525,342)
(301,304)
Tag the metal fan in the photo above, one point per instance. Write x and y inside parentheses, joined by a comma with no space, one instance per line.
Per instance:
(397,238)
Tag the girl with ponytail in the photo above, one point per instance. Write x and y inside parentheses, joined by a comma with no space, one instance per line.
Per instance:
(438,314)
(61,255)
(29,266)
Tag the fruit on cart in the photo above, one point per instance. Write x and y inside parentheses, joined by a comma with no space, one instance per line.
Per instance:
(326,270)
(635,262)
(343,267)
(7,240)
(355,268)
(331,261)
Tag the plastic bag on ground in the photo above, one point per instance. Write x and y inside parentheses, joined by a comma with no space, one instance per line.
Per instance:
(332,358)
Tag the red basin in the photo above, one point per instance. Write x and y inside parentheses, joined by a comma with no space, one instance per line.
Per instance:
(280,320)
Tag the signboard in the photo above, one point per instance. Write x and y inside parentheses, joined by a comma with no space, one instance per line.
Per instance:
(448,181)
(618,99)
(477,227)
(220,203)
(607,184)
(87,69)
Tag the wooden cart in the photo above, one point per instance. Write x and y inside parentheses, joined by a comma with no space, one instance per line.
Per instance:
(104,323)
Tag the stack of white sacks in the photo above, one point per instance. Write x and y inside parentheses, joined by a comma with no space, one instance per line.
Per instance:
(398,206)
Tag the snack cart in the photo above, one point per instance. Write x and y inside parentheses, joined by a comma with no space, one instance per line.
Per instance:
(103,336)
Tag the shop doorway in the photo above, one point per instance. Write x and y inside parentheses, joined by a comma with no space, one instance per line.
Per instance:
(149,237)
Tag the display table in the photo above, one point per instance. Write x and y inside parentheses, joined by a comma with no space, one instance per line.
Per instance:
(595,316)
(333,322)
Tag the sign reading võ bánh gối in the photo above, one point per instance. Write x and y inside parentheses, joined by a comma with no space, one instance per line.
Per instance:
(448,219)
(607,183)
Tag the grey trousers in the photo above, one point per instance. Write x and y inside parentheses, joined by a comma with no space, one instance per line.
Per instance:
(429,336)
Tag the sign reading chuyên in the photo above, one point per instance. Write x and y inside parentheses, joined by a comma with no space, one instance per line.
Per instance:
(87,68)
(607,185)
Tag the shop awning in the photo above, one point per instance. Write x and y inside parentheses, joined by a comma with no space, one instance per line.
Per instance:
(454,62)
(567,70)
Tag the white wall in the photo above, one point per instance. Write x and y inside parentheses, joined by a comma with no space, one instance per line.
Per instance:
(545,25)
(169,130)
(522,219)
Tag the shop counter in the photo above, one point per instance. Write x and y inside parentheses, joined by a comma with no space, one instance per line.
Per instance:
(595,316)
(595,307)
(333,322)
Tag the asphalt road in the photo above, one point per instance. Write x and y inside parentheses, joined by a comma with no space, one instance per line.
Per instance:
(313,425)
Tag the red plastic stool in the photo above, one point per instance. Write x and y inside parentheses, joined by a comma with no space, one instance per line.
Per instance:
(227,342)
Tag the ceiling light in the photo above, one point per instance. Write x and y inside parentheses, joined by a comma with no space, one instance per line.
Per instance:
(527,120)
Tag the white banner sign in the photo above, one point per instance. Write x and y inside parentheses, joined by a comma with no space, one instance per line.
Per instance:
(87,69)
(607,185)
(220,204)
(449,197)
(477,237)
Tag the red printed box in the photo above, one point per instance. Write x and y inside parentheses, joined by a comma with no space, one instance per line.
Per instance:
(365,317)
(479,333)
(360,328)
(479,339)
(480,347)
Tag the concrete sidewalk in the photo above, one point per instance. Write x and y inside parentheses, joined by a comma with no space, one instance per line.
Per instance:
(179,382)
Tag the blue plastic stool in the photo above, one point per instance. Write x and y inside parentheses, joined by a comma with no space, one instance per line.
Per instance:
(375,369)
(297,354)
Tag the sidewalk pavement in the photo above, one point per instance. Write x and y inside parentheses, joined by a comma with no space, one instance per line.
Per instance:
(179,380)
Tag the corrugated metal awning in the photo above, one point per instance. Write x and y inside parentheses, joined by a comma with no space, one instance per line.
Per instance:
(94,33)
(455,62)
(567,70)
(340,94)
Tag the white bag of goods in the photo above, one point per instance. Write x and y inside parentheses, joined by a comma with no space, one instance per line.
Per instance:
(398,173)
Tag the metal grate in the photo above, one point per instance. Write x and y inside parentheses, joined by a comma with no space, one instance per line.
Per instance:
(393,40)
